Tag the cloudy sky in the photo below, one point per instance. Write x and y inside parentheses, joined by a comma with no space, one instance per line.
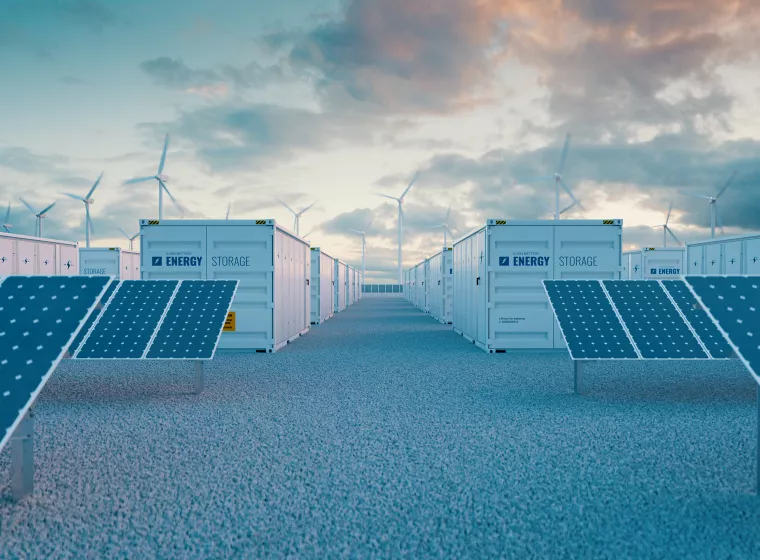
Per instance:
(329,102)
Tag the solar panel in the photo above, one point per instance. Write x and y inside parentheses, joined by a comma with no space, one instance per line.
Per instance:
(93,317)
(129,320)
(193,324)
(705,328)
(588,322)
(732,302)
(655,325)
(39,316)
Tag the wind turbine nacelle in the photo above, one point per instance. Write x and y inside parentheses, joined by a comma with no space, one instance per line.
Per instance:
(89,201)
(163,177)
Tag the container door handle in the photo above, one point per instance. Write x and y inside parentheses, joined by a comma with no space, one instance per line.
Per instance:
(477,281)
(307,281)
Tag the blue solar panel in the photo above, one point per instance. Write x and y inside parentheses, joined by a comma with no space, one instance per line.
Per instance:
(588,322)
(655,325)
(39,316)
(733,303)
(706,330)
(93,317)
(194,321)
(128,322)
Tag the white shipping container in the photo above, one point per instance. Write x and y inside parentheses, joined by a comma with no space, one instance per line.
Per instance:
(499,300)
(272,305)
(351,285)
(725,255)
(322,286)
(441,285)
(24,255)
(655,263)
(109,261)
(340,285)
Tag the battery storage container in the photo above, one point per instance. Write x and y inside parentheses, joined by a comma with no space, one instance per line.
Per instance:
(25,255)
(654,263)
(499,301)
(109,261)
(725,255)
(322,286)
(272,305)
(340,285)
(441,285)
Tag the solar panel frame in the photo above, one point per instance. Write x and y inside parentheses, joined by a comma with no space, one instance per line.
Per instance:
(221,328)
(725,334)
(617,316)
(678,311)
(5,438)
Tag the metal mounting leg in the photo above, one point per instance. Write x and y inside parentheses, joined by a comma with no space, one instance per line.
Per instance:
(577,371)
(198,377)
(22,458)
(757,474)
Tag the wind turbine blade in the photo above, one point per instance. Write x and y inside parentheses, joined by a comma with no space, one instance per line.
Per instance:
(414,179)
(728,184)
(138,180)
(95,186)
(227,216)
(75,197)
(163,186)
(124,233)
(568,191)
(387,196)
(673,235)
(286,206)
(163,155)
(448,215)
(695,195)
(670,209)
(48,208)
(135,236)
(563,155)
(25,203)
(568,207)
(309,207)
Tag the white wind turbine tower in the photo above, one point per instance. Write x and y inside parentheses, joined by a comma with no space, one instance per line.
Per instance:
(227,216)
(400,201)
(553,214)
(297,215)
(445,226)
(130,237)
(714,217)
(364,245)
(558,182)
(666,230)
(162,179)
(7,225)
(40,216)
(87,199)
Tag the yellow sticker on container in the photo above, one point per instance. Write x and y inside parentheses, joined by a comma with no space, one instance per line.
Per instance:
(229,322)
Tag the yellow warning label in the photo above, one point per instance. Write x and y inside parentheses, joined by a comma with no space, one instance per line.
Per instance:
(229,322)
(261,222)
(152,222)
(608,222)
(501,222)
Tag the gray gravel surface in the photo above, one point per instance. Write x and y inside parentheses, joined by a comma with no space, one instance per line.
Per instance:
(381,433)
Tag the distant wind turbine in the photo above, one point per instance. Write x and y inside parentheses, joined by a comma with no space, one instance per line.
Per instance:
(558,182)
(306,235)
(227,216)
(40,216)
(364,245)
(445,226)
(714,217)
(162,179)
(131,238)
(7,225)
(87,199)
(400,201)
(666,229)
(297,215)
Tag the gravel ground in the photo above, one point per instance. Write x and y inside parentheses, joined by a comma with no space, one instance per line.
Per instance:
(383,434)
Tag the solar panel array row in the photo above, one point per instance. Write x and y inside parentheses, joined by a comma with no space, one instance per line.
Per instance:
(634,319)
(159,319)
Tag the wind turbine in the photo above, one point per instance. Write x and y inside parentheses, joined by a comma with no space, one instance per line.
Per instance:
(297,215)
(364,245)
(7,225)
(558,182)
(40,215)
(227,216)
(400,201)
(666,230)
(87,201)
(131,238)
(162,179)
(714,217)
(445,226)
(565,209)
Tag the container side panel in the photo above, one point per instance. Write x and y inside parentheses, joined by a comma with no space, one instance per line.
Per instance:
(732,257)
(714,258)
(100,262)
(664,264)
(326,287)
(26,257)
(46,259)
(695,257)
(448,286)
(637,266)
(316,283)
(752,256)
(7,256)
(69,260)
(173,252)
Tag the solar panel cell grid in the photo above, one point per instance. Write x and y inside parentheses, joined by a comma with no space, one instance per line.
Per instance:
(38,317)
(194,321)
(655,325)
(588,322)
(734,302)
(93,317)
(128,322)
(706,330)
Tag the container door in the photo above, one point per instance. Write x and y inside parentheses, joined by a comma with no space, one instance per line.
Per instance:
(69,259)
(6,255)
(733,257)
(752,256)
(173,252)
(636,266)
(694,257)
(46,259)
(26,257)
(666,264)
(714,258)
(448,286)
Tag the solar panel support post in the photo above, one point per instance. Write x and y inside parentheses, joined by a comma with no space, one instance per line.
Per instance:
(577,371)
(198,377)
(22,458)
(757,474)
